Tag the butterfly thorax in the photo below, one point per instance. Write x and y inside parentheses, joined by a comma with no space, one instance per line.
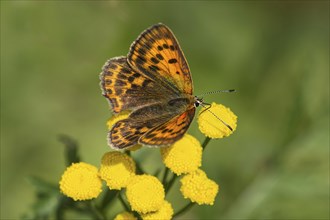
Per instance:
(181,104)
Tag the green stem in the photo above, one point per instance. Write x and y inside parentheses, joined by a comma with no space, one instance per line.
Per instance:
(184,209)
(165,175)
(170,183)
(205,143)
(108,198)
(139,170)
(97,215)
(121,199)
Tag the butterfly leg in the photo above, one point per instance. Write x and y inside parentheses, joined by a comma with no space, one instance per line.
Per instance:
(206,108)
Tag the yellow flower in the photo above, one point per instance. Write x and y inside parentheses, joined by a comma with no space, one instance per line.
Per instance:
(80,181)
(135,147)
(125,216)
(121,116)
(198,188)
(212,122)
(164,213)
(183,156)
(145,193)
(116,169)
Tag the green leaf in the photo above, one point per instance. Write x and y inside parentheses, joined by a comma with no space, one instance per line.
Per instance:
(42,186)
(71,149)
(47,199)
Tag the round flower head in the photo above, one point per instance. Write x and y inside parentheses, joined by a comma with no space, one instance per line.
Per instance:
(212,122)
(80,181)
(165,213)
(121,116)
(116,169)
(115,118)
(125,216)
(198,188)
(145,193)
(183,156)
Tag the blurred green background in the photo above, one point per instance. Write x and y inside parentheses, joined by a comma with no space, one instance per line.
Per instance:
(276,54)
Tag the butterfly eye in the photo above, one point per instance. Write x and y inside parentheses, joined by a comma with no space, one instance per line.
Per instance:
(198,101)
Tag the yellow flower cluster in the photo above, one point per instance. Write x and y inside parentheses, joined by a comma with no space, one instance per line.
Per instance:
(165,212)
(116,169)
(125,216)
(80,181)
(198,188)
(145,193)
(184,156)
(115,118)
(214,120)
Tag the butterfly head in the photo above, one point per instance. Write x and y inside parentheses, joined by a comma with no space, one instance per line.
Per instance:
(198,101)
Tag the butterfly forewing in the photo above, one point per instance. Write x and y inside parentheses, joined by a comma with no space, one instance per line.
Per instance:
(127,89)
(157,53)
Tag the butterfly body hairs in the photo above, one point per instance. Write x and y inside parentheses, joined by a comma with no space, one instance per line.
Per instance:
(153,82)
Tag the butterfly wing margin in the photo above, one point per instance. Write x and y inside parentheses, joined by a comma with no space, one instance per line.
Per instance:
(157,54)
(169,132)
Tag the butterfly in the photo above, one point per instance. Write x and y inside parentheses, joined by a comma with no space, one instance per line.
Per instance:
(154,83)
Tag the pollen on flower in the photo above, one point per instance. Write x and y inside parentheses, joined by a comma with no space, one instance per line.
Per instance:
(184,156)
(145,193)
(165,213)
(125,216)
(116,169)
(80,181)
(210,126)
(121,116)
(198,188)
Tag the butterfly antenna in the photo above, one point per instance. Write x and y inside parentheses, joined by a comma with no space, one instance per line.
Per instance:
(217,91)
(207,109)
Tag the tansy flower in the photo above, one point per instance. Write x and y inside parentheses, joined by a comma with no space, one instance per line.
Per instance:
(183,156)
(164,213)
(80,181)
(125,216)
(212,122)
(198,188)
(145,193)
(121,116)
(116,169)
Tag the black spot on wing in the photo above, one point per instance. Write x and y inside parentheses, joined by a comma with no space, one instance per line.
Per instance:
(172,60)
(154,60)
(159,56)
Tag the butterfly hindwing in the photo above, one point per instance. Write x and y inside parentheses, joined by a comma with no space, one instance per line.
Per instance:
(169,132)
(157,54)
(126,133)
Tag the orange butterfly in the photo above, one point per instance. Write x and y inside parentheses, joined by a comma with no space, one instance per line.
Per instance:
(154,83)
